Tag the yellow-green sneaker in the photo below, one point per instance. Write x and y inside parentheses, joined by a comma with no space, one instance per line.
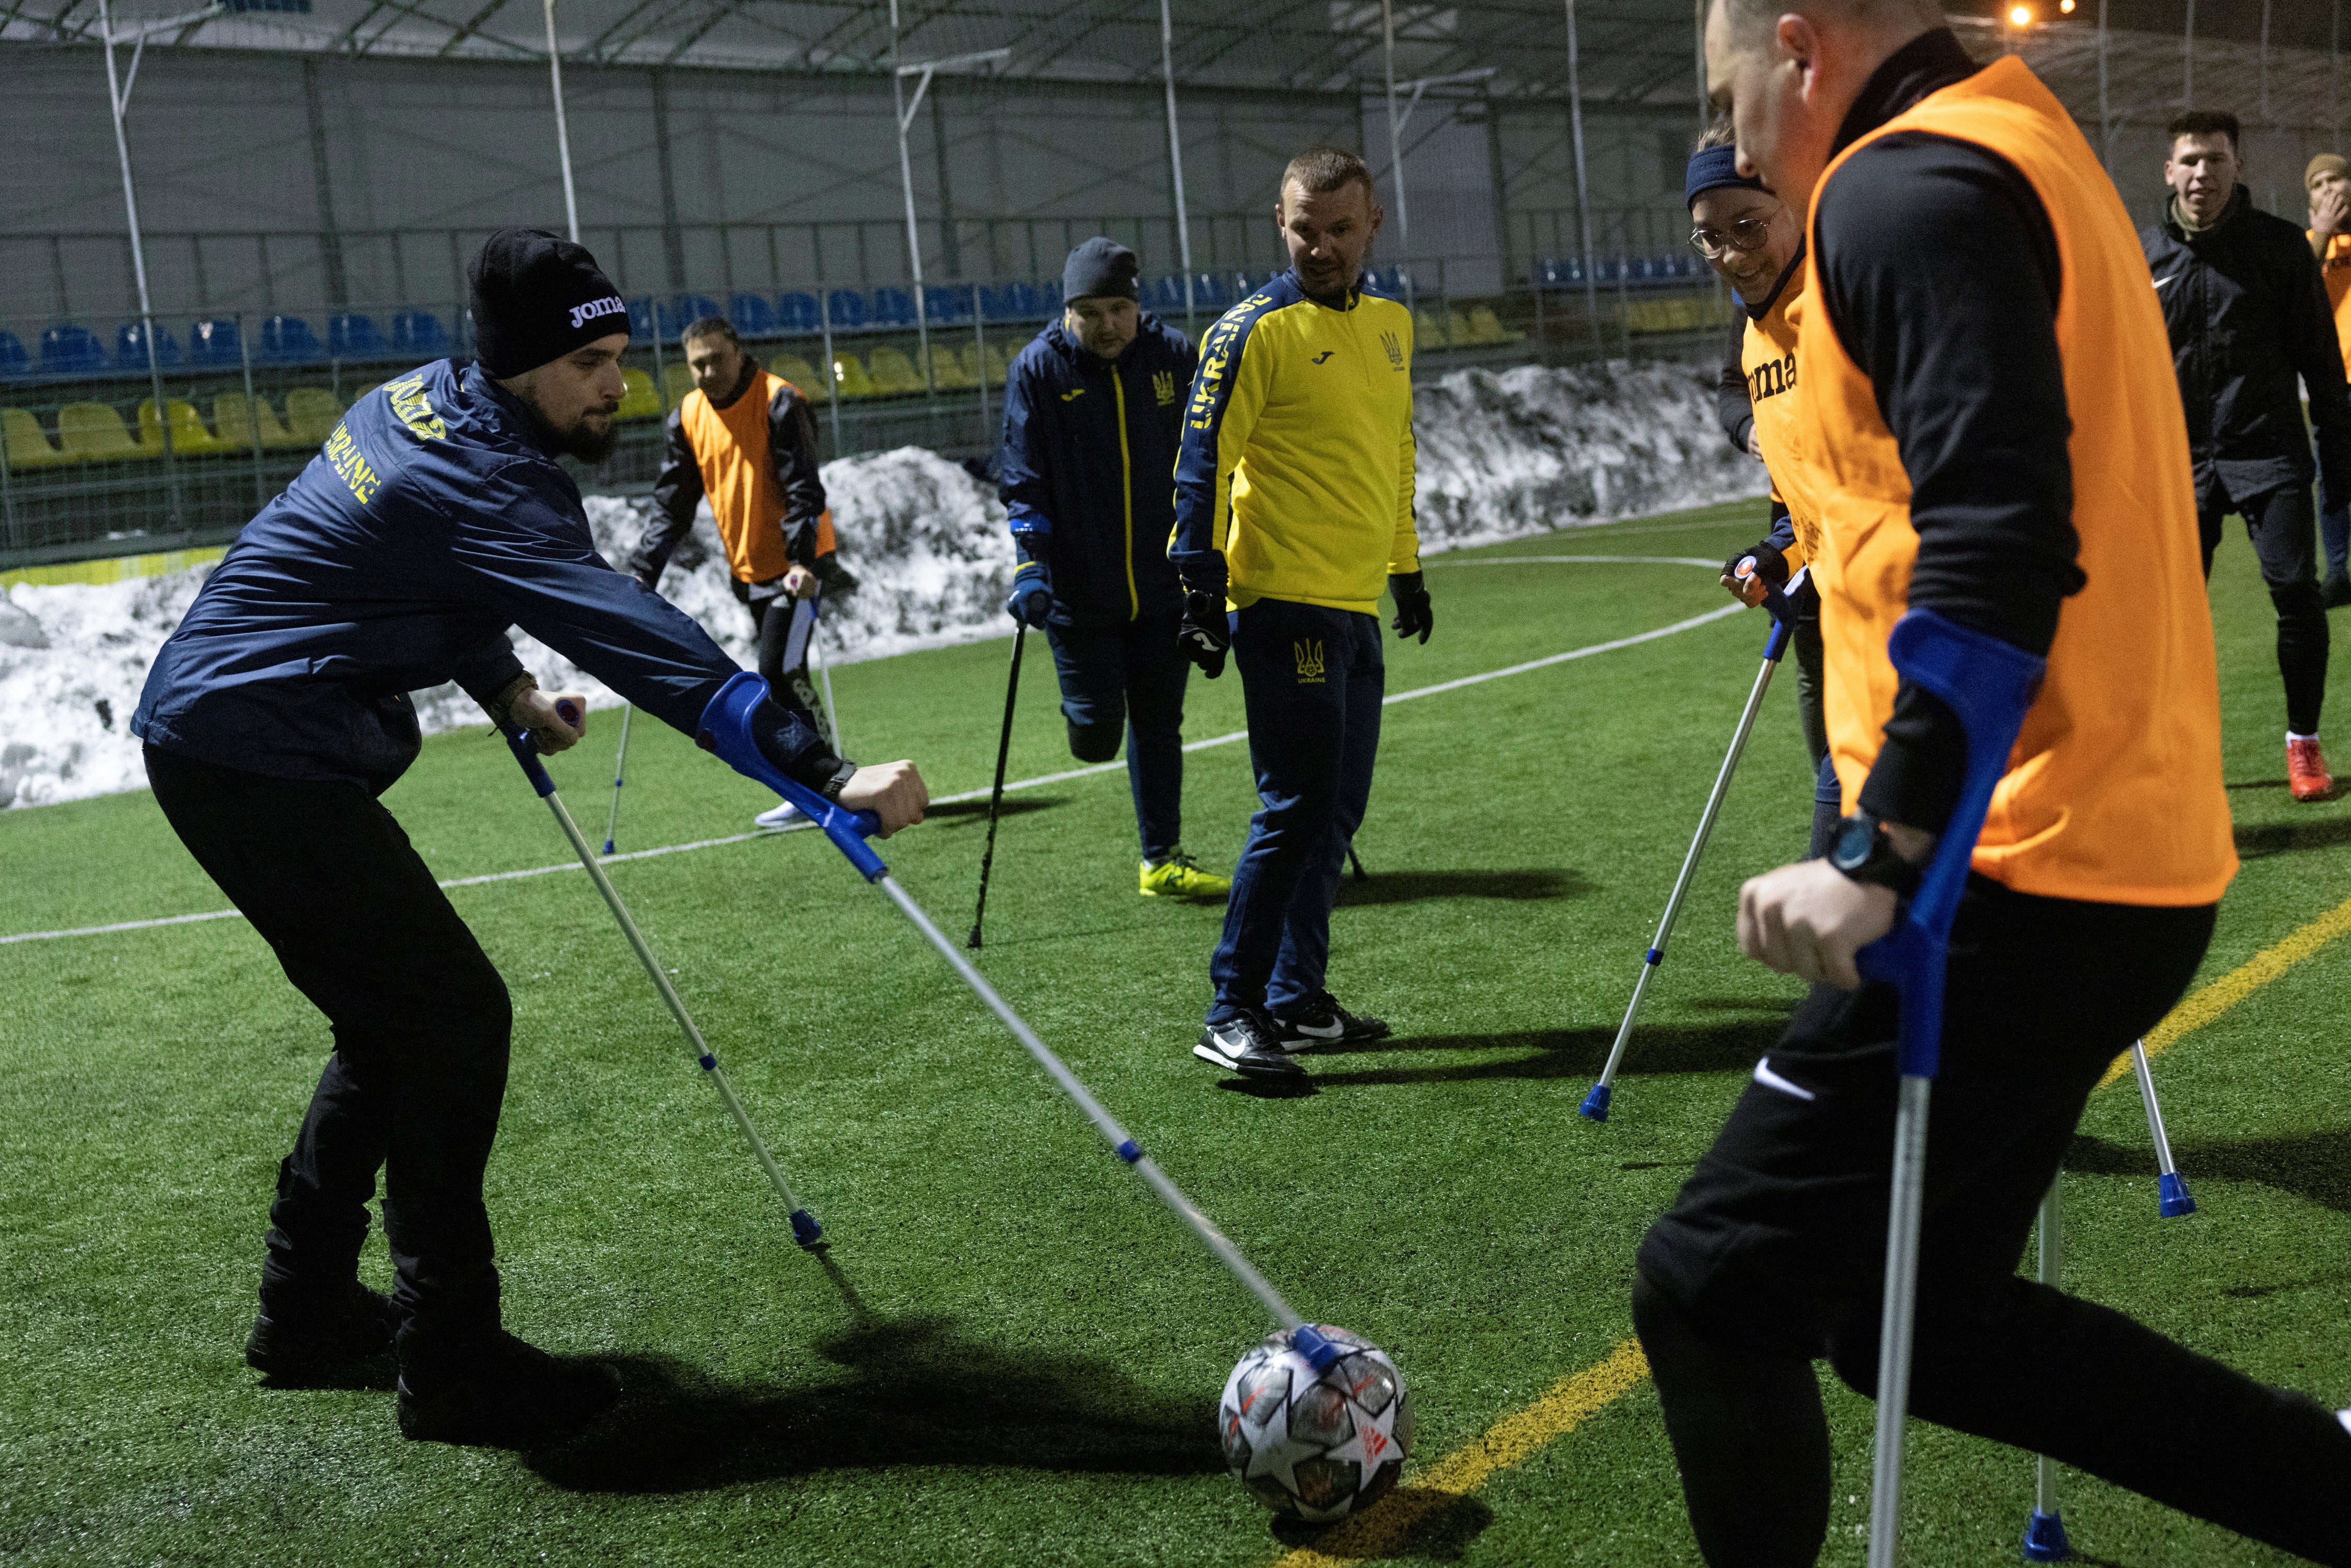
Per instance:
(1180,876)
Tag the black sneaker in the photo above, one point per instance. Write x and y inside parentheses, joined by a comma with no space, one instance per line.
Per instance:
(1244,1044)
(2336,592)
(1322,1021)
(298,1342)
(502,1394)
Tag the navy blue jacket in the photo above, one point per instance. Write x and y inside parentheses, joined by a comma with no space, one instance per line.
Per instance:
(435,517)
(1094,508)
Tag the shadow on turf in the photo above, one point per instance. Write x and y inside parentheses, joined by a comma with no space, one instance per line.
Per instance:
(2260,840)
(914,1392)
(1018,805)
(1413,886)
(2316,1166)
(1410,1522)
(1730,1046)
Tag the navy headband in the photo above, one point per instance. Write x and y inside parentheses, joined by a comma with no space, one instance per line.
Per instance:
(1712,169)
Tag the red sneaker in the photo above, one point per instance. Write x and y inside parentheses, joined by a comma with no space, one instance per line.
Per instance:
(2305,770)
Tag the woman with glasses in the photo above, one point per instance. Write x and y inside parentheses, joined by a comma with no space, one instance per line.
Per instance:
(1755,243)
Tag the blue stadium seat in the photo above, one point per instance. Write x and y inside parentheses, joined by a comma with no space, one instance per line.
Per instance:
(1210,293)
(288,340)
(14,360)
(1688,267)
(67,349)
(1164,295)
(752,315)
(350,336)
(847,309)
(641,317)
(682,310)
(892,308)
(419,335)
(130,348)
(213,345)
(799,312)
(1049,297)
(949,306)
(1028,301)
(1607,270)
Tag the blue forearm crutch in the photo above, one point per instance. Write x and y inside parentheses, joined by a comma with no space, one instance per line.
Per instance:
(805,1229)
(1595,1103)
(725,730)
(1988,684)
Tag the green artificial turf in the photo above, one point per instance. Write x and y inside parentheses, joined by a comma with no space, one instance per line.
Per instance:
(1010,1354)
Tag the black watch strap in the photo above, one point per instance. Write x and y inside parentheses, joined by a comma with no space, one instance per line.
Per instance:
(1862,851)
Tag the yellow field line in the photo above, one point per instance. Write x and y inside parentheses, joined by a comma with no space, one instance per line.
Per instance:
(2203,1006)
(1574,1399)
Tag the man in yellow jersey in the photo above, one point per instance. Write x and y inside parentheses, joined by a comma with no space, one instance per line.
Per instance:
(746,438)
(2328,181)
(1757,246)
(1293,509)
(1991,429)
(1094,413)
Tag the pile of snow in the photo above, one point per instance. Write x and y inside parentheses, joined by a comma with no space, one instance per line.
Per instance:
(1501,457)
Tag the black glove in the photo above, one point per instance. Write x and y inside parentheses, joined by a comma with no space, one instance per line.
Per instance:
(1413,617)
(1204,634)
(1031,600)
(1770,564)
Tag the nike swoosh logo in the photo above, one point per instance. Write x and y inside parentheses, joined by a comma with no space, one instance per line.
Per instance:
(1323,355)
(1074,396)
(2173,278)
(1771,1079)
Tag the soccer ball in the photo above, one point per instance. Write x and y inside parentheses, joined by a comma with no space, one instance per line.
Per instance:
(1314,1445)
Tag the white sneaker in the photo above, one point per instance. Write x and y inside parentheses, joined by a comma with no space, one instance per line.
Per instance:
(2344,1417)
(779,816)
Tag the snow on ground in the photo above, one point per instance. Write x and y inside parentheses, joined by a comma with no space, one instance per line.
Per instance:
(1501,457)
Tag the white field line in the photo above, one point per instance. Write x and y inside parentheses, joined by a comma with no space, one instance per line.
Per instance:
(981,794)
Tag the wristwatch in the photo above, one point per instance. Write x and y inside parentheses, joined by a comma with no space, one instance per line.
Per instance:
(1862,851)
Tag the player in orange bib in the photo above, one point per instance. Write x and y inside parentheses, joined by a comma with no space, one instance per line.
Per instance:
(746,438)
(2328,181)
(1991,429)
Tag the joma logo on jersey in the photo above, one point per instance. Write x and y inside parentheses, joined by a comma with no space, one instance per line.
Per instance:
(1310,662)
(1771,378)
(1162,388)
(611,305)
(1395,349)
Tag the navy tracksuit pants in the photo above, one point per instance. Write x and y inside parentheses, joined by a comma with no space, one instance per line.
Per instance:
(1311,679)
(1130,677)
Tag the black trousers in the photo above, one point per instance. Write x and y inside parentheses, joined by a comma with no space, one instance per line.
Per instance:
(1773,1257)
(421,1022)
(785,638)
(2285,531)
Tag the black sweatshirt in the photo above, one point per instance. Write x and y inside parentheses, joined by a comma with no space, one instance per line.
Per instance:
(1938,270)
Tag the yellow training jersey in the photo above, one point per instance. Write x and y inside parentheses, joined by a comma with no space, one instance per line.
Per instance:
(1297,463)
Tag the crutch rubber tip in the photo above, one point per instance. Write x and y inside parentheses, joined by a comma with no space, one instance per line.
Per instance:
(1595,1104)
(608,846)
(1309,1342)
(2176,1198)
(2044,1539)
(972,941)
(805,1229)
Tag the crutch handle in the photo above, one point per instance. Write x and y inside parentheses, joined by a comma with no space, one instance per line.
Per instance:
(725,730)
(1988,684)
(1784,614)
(526,751)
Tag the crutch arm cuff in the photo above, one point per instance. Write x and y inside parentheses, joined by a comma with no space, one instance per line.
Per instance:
(729,729)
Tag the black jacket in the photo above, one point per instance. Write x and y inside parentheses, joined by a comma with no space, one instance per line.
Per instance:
(677,490)
(2247,312)
(1096,507)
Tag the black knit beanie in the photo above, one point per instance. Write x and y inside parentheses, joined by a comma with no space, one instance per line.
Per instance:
(537,297)
(1099,267)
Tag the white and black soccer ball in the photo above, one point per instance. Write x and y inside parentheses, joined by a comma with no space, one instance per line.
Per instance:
(1314,1445)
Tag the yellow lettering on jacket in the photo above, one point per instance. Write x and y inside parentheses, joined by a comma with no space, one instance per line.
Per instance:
(343,455)
(415,410)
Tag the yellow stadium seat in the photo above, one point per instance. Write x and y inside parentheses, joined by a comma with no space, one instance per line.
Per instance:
(892,371)
(803,375)
(948,371)
(1428,329)
(364,391)
(850,376)
(999,362)
(93,432)
(677,380)
(189,436)
(1485,327)
(640,401)
(233,421)
(311,415)
(28,443)
(1456,328)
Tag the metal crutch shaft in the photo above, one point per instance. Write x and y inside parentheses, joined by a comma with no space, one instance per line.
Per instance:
(2044,1533)
(619,768)
(995,795)
(2176,1198)
(805,1229)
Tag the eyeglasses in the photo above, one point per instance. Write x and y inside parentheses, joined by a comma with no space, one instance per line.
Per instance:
(1747,233)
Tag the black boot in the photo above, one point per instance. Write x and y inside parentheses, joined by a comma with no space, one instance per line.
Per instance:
(303,1340)
(500,1393)
(2335,591)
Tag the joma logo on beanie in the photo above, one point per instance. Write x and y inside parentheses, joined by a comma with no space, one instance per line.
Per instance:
(611,306)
